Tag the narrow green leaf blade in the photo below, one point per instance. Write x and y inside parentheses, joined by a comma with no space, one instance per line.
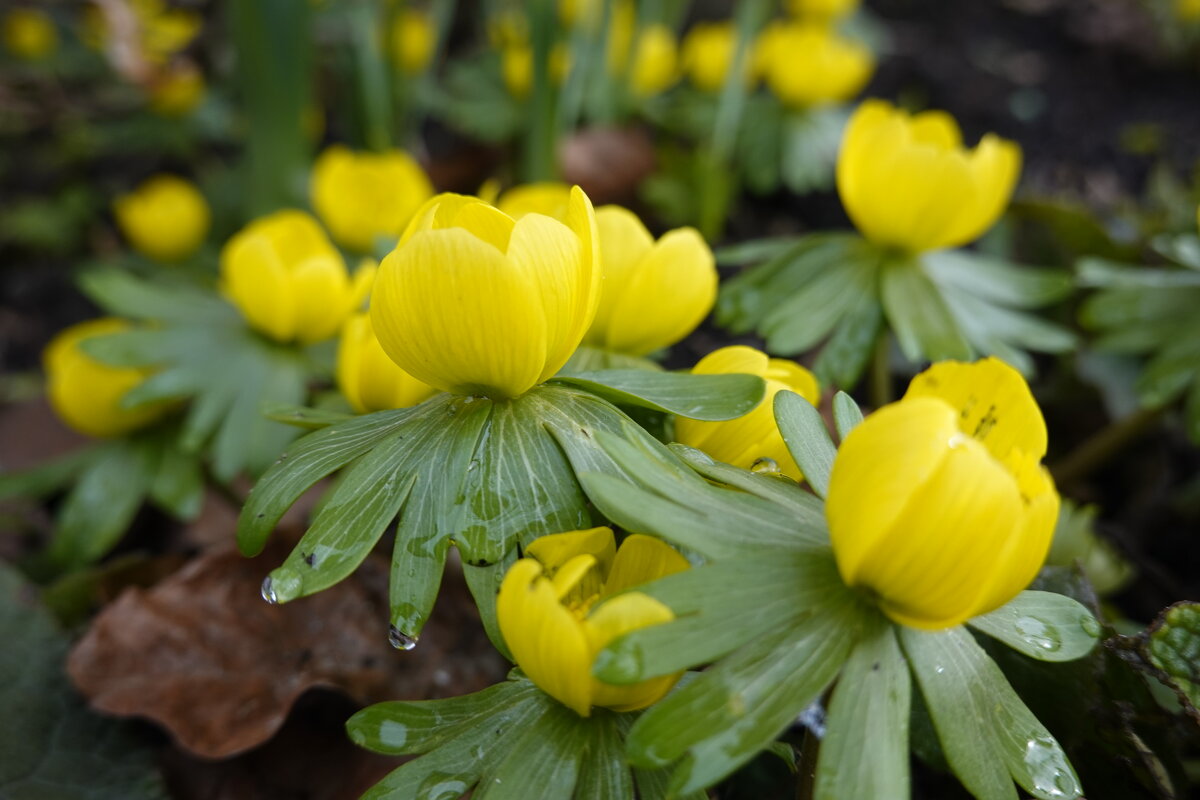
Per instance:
(846,414)
(919,316)
(703,397)
(807,439)
(1042,625)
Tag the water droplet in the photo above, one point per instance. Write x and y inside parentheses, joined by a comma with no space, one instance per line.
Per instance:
(813,718)
(1038,633)
(1090,626)
(1049,770)
(472,464)
(440,786)
(939,669)
(764,466)
(957,440)
(401,640)
(268,591)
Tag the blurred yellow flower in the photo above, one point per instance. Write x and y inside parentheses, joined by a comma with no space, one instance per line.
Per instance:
(550,198)
(474,302)
(808,65)
(1188,10)
(369,379)
(822,9)
(908,182)
(516,66)
(165,218)
(938,504)
(413,38)
(655,61)
(288,280)
(747,439)
(559,606)
(29,34)
(86,393)
(177,91)
(707,55)
(654,293)
(362,196)
(164,30)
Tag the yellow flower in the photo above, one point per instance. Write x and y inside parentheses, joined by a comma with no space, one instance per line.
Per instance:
(288,280)
(413,37)
(745,440)
(165,218)
(545,197)
(809,65)
(1188,10)
(363,196)
(177,91)
(708,51)
(86,393)
(655,61)
(516,65)
(937,503)
(474,302)
(29,34)
(654,293)
(908,182)
(369,379)
(822,9)
(559,606)
(164,31)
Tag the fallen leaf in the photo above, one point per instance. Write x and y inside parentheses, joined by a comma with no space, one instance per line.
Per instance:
(205,657)
(609,163)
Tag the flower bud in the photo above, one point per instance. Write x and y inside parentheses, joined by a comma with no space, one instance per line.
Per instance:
(937,503)
(654,293)
(907,181)
(565,601)
(364,196)
(753,436)
(86,393)
(165,218)
(369,379)
(474,302)
(288,280)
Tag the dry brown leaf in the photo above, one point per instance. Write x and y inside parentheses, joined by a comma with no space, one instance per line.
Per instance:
(202,654)
(609,163)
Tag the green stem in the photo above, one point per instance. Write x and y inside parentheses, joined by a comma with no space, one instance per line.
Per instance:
(881,374)
(1096,450)
(371,74)
(539,162)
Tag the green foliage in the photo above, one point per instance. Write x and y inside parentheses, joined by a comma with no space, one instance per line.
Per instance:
(53,746)
(839,289)
(1172,645)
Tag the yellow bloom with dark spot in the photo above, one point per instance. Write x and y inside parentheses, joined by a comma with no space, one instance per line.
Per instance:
(937,503)
(473,301)
(361,196)
(654,293)
(165,218)
(29,34)
(567,599)
(908,182)
(743,441)
(288,280)
(707,55)
(369,379)
(413,38)
(822,9)
(808,65)
(86,393)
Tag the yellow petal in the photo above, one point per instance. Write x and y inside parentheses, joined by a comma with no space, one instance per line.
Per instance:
(995,166)
(556,549)
(936,128)
(165,218)
(624,241)
(993,402)
(455,313)
(256,282)
(546,640)
(483,221)
(577,580)
(369,379)
(548,198)
(322,295)
(731,360)
(670,292)
(622,614)
(641,559)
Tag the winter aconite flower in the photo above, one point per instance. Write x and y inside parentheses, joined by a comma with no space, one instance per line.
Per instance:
(708,52)
(907,181)
(474,302)
(565,600)
(165,218)
(86,393)
(938,504)
(369,379)
(28,34)
(807,65)
(413,38)
(755,436)
(288,280)
(361,196)
(654,293)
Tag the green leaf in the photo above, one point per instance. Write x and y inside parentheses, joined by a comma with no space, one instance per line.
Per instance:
(301,417)
(845,355)
(985,730)
(703,397)
(53,746)
(1042,625)
(177,485)
(125,295)
(593,359)
(983,322)
(807,439)
(846,414)
(919,316)
(46,478)
(604,773)
(865,749)
(808,509)
(545,754)
(719,608)
(1183,249)
(754,251)
(996,281)
(738,707)
(810,148)
(1173,646)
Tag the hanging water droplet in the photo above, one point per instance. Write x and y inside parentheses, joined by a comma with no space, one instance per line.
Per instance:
(1051,774)
(764,466)
(401,640)
(268,591)
(1090,626)
(1038,632)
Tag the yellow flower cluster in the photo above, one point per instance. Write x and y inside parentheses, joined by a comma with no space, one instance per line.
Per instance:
(937,504)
